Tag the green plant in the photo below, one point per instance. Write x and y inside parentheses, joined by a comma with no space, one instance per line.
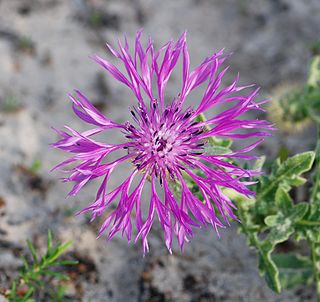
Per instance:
(274,217)
(25,44)
(38,278)
(294,107)
(36,166)
(11,104)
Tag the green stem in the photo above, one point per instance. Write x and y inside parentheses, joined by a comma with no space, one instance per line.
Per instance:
(315,257)
(308,223)
(314,246)
(316,184)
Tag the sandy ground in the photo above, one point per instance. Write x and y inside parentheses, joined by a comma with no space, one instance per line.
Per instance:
(44,49)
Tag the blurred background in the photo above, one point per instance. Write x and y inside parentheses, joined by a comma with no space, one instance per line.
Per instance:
(44,54)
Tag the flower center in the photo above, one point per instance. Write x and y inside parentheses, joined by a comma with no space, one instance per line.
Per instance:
(163,141)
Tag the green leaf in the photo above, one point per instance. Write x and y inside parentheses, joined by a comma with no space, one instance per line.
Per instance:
(292,261)
(298,211)
(267,267)
(243,200)
(34,275)
(284,175)
(294,269)
(315,256)
(65,246)
(295,165)
(222,142)
(309,226)
(49,243)
(13,290)
(315,47)
(314,213)
(36,166)
(283,200)
(33,251)
(283,153)
(315,192)
(259,163)
(290,279)
(58,251)
(217,150)
(314,74)
(281,231)
(281,228)
(28,294)
(57,275)
(283,224)
(314,114)
(66,262)
(272,220)
(295,181)
(25,264)
(214,141)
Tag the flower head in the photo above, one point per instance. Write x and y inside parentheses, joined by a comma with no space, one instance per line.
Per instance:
(165,144)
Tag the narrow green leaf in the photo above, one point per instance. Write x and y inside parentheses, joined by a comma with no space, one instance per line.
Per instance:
(28,294)
(49,243)
(66,262)
(60,249)
(33,251)
(13,290)
(58,275)
(25,263)
(65,246)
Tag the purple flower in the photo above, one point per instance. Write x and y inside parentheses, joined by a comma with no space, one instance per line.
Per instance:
(164,145)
